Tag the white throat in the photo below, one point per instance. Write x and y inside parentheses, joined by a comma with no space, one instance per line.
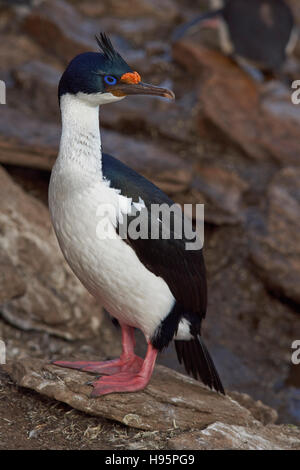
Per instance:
(80,143)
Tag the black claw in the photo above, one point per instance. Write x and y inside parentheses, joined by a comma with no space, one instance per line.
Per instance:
(91,382)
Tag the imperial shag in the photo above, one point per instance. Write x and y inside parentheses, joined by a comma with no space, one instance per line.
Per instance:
(153,284)
(262,32)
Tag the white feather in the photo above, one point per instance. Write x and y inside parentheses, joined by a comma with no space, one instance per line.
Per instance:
(109,268)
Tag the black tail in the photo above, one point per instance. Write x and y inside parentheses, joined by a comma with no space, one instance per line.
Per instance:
(198,363)
(183,28)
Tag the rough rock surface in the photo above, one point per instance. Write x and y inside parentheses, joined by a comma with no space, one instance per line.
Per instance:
(36,146)
(170,400)
(38,80)
(222,192)
(43,293)
(221,436)
(12,284)
(259,410)
(201,418)
(59,28)
(163,10)
(231,145)
(276,247)
(242,109)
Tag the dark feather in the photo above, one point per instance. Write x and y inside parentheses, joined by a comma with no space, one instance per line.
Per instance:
(106,46)
(198,362)
(181,269)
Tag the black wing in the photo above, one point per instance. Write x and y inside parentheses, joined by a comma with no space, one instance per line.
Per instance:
(183,270)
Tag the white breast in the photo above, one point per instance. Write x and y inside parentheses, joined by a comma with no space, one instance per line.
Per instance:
(108,268)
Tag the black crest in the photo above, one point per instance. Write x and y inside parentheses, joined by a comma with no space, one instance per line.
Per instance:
(106,47)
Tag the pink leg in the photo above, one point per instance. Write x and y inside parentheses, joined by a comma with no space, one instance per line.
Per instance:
(127,381)
(128,361)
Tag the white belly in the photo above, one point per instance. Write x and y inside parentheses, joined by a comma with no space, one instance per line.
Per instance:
(108,268)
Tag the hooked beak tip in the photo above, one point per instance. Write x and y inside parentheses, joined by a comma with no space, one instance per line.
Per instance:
(169,94)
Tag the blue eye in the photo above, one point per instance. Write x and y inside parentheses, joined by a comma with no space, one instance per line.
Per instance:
(110,80)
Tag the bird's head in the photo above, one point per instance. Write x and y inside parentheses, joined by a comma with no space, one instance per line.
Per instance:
(104,77)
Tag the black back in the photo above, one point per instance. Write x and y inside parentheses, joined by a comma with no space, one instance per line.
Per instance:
(182,270)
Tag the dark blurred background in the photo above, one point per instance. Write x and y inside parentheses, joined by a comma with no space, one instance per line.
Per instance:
(228,141)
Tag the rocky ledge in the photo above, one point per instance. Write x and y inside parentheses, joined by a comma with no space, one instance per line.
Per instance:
(203,419)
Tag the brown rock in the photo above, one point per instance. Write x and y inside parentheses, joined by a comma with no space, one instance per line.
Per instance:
(59,28)
(175,181)
(171,400)
(91,8)
(263,413)
(221,191)
(296,10)
(26,141)
(15,50)
(221,436)
(48,297)
(145,157)
(11,283)
(150,117)
(61,31)
(276,249)
(135,30)
(161,9)
(38,80)
(262,121)
(248,330)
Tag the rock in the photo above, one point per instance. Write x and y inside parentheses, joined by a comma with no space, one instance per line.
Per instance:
(59,28)
(91,8)
(248,331)
(45,295)
(12,284)
(135,30)
(221,436)
(275,249)
(16,49)
(14,11)
(15,3)
(7,18)
(38,80)
(163,10)
(221,191)
(145,157)
(261,120)
(149,116)
(296,10)
(29,142)
(26,141)
(61,31)
(263,413)
(171,400)
(176,181)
